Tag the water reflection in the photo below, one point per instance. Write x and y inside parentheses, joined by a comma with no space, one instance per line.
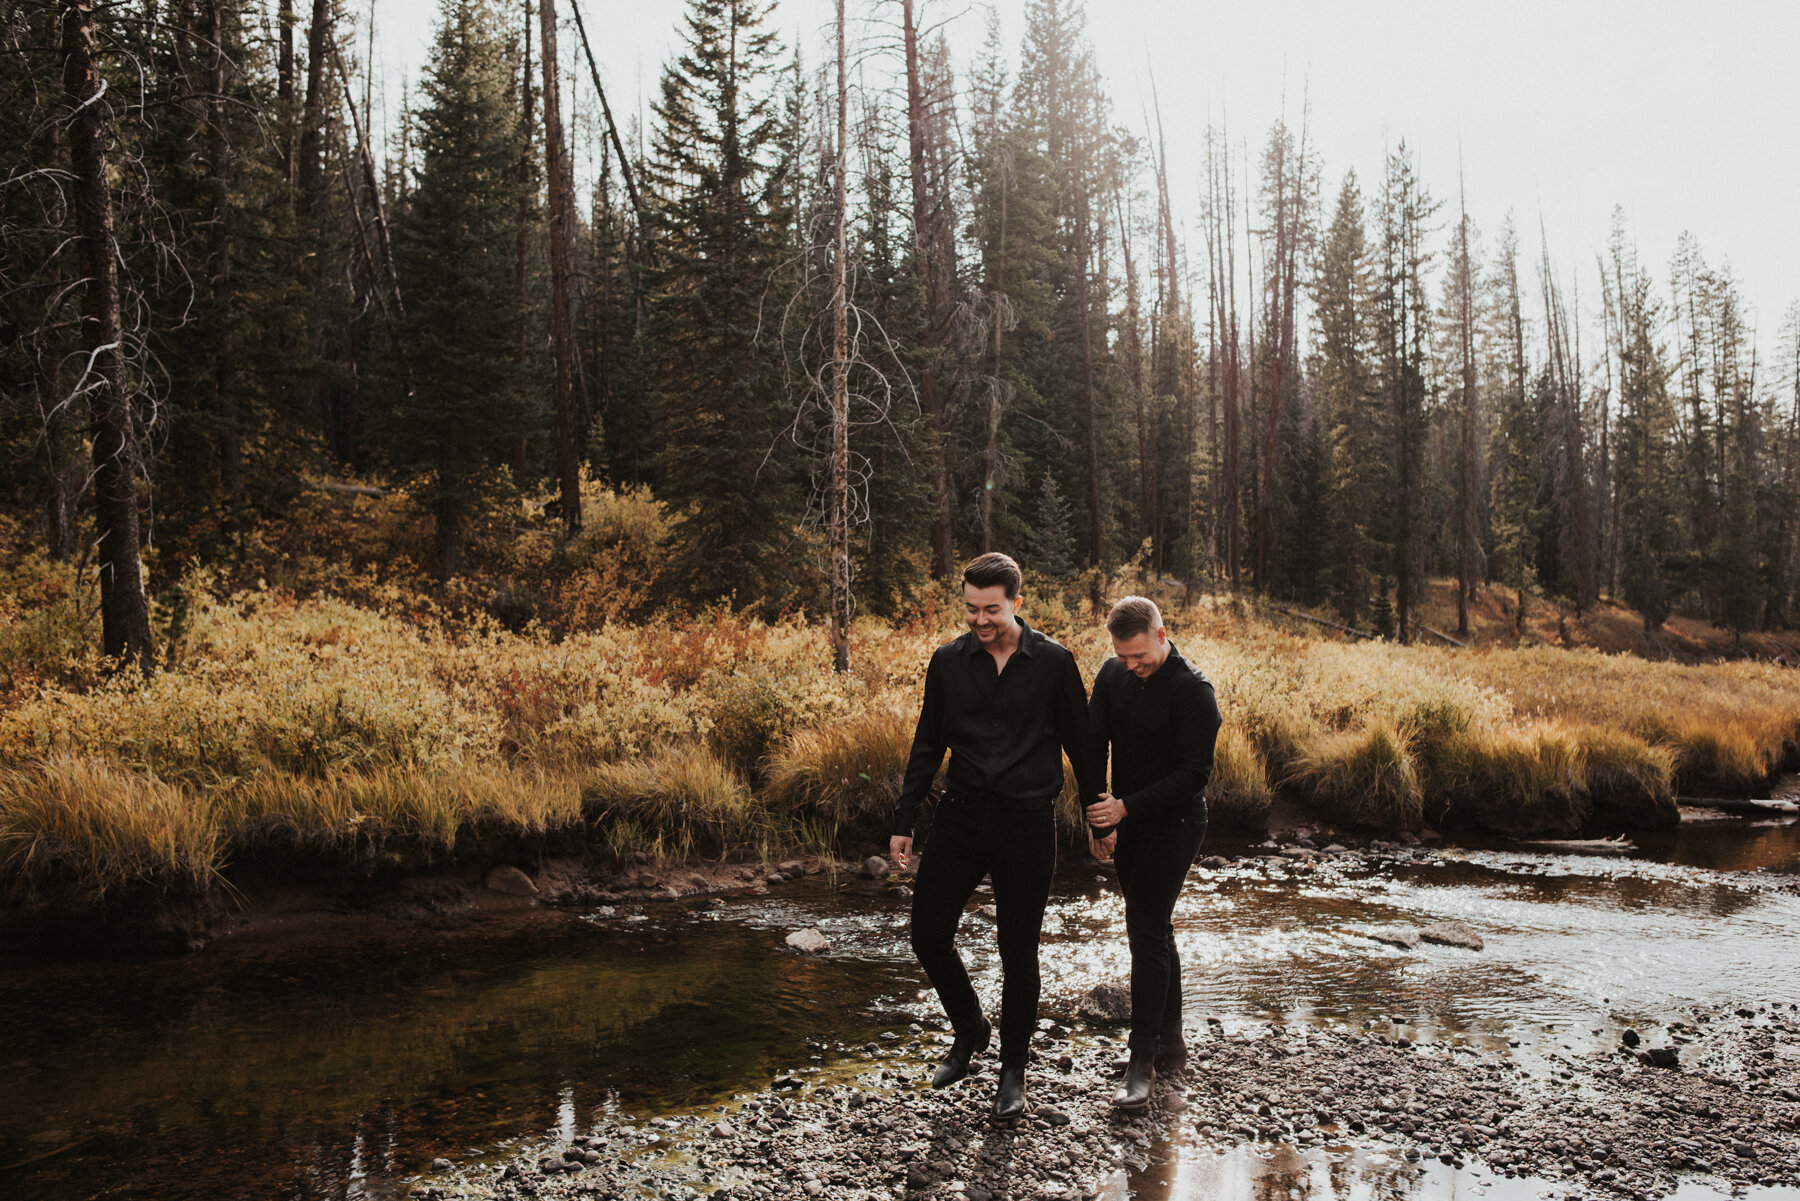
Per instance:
(331,1065)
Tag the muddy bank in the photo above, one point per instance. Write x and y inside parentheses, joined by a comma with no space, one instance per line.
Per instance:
(1609,1124)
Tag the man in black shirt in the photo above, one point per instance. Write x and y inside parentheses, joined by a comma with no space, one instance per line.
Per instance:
(1006,702)
(1157,715)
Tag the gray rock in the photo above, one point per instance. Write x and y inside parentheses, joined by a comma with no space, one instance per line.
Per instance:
(1660,1057)
(511,881)
(1452,932)
(1109,1002)
(441,1165)
(809,942)
(1404,937)
(875,867)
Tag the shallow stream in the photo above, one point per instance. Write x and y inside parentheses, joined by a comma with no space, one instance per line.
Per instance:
(337,1063)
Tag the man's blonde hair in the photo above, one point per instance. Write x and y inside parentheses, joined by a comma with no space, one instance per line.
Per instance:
(1133,615)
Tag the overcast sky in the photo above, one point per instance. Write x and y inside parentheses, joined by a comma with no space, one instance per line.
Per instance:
(1684,114)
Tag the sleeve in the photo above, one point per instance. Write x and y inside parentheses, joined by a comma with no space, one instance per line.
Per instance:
(1196,727)
(1072,732)
(1100,724)
(927,751)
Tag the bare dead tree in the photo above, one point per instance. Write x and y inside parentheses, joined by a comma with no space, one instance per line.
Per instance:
(124,611)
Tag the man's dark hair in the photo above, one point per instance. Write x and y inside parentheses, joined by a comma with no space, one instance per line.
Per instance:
(1133,615)
(991,569)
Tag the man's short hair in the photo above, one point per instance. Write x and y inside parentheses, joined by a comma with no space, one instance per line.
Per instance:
(994,569)
(1132,616)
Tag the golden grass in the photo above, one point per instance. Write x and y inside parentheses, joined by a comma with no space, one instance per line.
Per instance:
(845,774)
(95,829)
(1238,795)
(342,727)
(672,805)
(1366,776)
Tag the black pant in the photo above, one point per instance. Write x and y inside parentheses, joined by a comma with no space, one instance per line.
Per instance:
(1153,855)
(970,839)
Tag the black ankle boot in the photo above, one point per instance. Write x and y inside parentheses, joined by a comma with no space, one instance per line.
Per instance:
(964,1048)
(1171,1057)
(1140,1074)
(1009,1100)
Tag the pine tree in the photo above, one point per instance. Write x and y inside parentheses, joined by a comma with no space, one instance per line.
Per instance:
(721,397)
(460,394)
(1645,468)
(1349,408)
(1514,456)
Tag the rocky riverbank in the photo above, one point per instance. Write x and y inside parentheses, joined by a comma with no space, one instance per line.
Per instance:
(1613,1123)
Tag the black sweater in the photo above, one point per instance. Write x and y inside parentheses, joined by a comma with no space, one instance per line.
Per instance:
(1160,732)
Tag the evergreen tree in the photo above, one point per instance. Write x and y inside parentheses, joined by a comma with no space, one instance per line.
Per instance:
(1350,411)
(459,401)
(723,410)
(1645,468)
(1514,458)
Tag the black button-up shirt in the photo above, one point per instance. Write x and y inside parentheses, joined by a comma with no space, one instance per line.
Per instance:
(1161,733)
(1005,730)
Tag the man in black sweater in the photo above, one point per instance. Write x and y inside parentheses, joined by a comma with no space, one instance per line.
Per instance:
(1006,702)
(1157,715)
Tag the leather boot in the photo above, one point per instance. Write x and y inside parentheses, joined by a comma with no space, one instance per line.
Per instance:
(1009,1100)
(1171,1057)
(962,1049)
(1140,1074)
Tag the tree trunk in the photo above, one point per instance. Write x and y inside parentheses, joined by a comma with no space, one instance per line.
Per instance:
(562,270)
(936,318)
(284,85)
(124,612)
(521,238)
(840,380)
(308,175)
(224,387)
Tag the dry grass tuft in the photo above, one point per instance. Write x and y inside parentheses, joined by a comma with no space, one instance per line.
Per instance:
(1510,781)
(1366,776)
(687,801)
(847,774)
(95,830)
(1238,795)
(1630,781)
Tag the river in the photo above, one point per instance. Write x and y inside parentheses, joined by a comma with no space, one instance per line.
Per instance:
(338,1060)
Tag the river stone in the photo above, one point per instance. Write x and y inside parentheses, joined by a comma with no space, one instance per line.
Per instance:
(808,942)
(1452,933)
(875,867)
(1404,937)
(1109,1002)
(441,1165)
(511,881)
(1660,1057)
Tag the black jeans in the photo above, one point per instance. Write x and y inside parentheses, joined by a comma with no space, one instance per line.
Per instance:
(1153,855)
(1016,848)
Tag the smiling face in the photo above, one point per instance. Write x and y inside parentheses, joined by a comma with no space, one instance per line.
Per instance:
(989,612)
(1143,653)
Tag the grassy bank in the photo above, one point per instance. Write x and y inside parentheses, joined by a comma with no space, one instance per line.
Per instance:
(321,733)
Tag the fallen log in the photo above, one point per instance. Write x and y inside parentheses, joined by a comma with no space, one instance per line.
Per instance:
(1330,625)
(1582,846)
(1738,804)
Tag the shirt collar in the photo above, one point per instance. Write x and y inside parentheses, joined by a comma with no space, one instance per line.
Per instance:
(1028,640)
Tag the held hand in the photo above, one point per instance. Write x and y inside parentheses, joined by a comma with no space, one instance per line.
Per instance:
(1107,811)
(900,851)
(1102,848)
